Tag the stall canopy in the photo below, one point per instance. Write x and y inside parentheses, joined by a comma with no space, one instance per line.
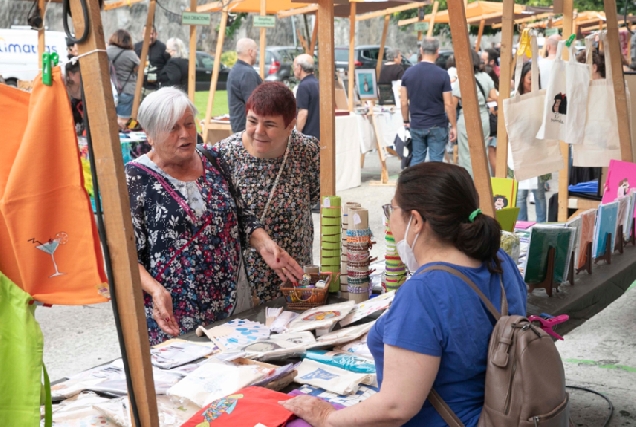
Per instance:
(251,6)
(478,11)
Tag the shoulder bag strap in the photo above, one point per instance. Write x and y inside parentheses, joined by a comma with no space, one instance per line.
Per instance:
(208,155)
(444,410)
(481,89)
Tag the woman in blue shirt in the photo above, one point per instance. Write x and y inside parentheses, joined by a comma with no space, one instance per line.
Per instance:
(436,333)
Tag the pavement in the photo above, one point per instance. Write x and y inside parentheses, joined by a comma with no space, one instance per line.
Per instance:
(599,355)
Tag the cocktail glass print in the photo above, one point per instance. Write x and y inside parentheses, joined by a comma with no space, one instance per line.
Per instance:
(50,247)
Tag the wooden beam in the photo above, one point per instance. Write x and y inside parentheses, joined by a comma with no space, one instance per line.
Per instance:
(215,72)
(314,38)
(302,40)
(385,30)
(312,8)
(470,104)
(564,173)
(41,37)
(532,18)
(192,65)
(431,22)
(409,21)
(120,239)
(480,33)
(263,40)
(144,56)
(218,5)
(326,67)
(507,34)
(352,58)
(118,4)
(620,96)
(391,10)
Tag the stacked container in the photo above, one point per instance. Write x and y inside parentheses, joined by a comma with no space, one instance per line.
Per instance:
(358,248)
(330,237)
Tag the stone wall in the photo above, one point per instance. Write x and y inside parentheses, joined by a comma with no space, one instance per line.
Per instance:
(168,23)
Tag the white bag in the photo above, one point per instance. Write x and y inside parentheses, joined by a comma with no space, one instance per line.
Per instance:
(601,142)
(531,157)
(565,105)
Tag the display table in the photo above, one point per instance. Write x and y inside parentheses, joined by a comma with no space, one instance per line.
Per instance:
(218,131)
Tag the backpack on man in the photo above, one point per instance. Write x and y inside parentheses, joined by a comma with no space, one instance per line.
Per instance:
(525,380)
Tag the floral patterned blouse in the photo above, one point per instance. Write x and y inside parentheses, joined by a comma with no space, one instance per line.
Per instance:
(187,235)
(288,221)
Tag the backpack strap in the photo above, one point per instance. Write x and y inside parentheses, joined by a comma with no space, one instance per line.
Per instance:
(444,410)
(491,308)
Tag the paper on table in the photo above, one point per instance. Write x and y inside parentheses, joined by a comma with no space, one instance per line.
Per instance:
(321,317)
(279,345)
(358,347)
(363,393)
(78,412)
(367,308)
(279,325)
(178,352)
(344,335)
(330,378)
(172,412)
(237,333)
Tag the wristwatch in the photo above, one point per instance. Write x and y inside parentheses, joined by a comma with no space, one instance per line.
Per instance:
(406,122)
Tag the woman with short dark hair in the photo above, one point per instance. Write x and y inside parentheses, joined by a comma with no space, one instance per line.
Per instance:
(436,333)
(276,170)
(124,63)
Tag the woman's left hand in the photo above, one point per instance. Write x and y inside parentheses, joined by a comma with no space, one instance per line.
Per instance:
(311,409)
(281,262)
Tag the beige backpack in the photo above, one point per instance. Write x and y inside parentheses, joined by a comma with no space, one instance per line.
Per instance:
(525,381)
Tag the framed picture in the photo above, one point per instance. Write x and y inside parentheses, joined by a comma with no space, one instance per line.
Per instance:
(385,94)
(365,84)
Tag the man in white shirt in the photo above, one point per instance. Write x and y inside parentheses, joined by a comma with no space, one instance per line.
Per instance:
(545,64)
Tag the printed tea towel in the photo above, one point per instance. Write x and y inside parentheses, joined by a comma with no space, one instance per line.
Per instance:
(46,213)
(248,407)
(565,107)
(531,157)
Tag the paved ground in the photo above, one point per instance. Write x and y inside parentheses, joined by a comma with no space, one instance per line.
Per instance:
(600,354)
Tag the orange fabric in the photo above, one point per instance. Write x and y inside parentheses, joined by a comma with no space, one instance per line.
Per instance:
(49,222)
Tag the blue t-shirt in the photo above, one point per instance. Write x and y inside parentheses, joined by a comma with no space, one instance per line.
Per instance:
(437,314)
(425,83)
(308,98)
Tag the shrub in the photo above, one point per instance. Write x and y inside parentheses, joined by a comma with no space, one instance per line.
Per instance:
(228,58)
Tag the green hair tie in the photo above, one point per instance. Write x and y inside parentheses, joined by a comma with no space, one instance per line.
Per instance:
(473,215)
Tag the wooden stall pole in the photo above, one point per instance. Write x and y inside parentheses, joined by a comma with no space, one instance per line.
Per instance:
(431,22)
(41,37)
(352,51)
(192,64)
(326,67)
(302,40)
(564,174)
(470,104)
(482,24)
(507,33)
(114,194)
(314,38)
(385,30)
(144,56)
(620,97)
(263,34)
(215,71)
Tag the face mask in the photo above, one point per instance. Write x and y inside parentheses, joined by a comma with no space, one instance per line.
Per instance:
(406,252)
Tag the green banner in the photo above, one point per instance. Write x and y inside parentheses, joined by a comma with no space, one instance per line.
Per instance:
(193,18)
(421,26)
(551,31)
(268,21)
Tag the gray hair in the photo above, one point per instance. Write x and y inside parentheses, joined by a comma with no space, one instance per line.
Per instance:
(160,110)
(306,62)
(243,45)
(391,54)
(178,47)
(430,46)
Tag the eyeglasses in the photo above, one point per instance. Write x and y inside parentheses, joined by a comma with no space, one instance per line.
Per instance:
(388,209)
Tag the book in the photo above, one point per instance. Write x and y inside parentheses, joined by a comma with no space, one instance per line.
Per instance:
(504,191)
(542,238)
(507,217)
(586,235)
(621,178)
(605,224)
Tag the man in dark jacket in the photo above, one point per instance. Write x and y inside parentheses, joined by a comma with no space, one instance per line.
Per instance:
(241,81)
(158,58)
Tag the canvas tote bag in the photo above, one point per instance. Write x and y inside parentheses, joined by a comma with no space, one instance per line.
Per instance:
(523,115)
(601,141)
(45,208)
(565,105)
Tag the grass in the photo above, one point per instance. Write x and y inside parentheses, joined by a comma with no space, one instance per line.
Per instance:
(218,108)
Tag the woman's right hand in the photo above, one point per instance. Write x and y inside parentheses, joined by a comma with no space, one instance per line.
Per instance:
(162,311)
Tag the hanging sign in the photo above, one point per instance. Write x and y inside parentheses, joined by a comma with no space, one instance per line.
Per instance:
(421,26)
(268,21)
(193,18)
(551,31)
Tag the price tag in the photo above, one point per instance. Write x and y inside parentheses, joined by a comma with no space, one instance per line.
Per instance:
(356,219)
(326,203)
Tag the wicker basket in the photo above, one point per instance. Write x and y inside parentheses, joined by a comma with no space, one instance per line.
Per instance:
(306,298)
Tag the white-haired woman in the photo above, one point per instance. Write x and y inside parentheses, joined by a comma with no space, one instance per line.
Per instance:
(175,72)
(187,223)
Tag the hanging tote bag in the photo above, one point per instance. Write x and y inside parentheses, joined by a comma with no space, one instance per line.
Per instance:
(531,157)
(601,141)
(46,210)
(565,107)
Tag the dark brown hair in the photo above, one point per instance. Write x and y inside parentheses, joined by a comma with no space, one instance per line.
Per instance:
(445,197)
(597,59)
(273,99)
(121,38)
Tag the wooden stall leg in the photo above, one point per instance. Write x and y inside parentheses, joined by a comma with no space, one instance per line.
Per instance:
(632,235)
(548,282)
(588,260)
(608,251)
(620,240)
(571,269)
